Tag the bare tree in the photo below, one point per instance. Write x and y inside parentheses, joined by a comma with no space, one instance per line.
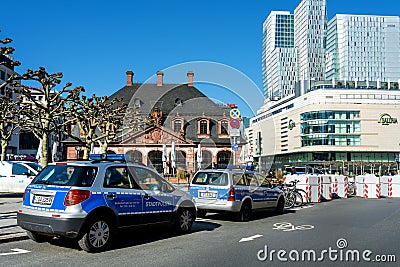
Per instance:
(99,119)
(9,108)
(9,121)
(44,117)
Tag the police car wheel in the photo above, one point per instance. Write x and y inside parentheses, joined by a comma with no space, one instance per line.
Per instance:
(39,238)
(97,235)
(201,213)
(245,212)
(184,221)
(280,206)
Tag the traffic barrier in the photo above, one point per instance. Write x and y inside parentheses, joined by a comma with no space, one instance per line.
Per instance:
(371,186)
(342,185)
(396,186)
(326,187)
(309,183)
(386,186)
(314,191)
(359,182)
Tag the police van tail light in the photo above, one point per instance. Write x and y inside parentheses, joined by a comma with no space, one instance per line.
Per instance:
(188,188)
(75,196)
(231,194)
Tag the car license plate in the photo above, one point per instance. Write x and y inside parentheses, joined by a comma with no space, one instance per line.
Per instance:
(42,200)
(208,194)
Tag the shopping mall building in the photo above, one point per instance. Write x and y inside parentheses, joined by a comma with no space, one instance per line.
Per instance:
(329,126)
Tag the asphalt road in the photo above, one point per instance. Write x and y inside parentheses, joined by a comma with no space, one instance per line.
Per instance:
(341,227)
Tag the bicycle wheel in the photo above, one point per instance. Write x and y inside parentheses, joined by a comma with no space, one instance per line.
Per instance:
(290,200)
(351,190)
(298,199)
(304,195)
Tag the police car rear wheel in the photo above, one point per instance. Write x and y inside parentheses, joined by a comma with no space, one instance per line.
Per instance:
(245,212)
(97,236)
(184,221)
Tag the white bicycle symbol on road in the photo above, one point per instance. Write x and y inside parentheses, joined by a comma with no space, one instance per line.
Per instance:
(288,227)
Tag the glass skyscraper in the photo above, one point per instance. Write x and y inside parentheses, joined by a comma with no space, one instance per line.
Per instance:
(363,48)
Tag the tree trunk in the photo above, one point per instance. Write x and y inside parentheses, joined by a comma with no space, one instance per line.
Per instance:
(4,145)
(45,150)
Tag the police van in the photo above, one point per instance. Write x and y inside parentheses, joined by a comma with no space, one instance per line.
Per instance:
(16,175)
(89,201)
(235,189)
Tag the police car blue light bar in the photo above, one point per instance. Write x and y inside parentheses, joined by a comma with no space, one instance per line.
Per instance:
(242,167)
(109,157)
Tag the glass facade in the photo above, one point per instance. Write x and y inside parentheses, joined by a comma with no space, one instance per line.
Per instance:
(333,128)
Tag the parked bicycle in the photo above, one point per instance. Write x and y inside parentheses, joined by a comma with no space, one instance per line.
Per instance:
(351,187)
(294,197)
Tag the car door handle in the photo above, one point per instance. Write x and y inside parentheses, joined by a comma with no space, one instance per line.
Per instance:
(111,196)
(146,196)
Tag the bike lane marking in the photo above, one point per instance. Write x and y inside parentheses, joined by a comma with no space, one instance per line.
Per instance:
(288,227)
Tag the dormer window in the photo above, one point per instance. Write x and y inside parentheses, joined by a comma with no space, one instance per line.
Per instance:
(177,126)
(178,102)
(136,102)
(203,127)
(224,127)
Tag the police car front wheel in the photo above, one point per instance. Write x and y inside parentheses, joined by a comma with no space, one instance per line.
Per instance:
(184,221)
(97,235)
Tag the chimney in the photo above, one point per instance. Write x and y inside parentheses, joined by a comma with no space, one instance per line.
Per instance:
(190,75)
(160,75)
(129,78)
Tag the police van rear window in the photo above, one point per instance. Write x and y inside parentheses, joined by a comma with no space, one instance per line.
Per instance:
(66,175)
(211,178)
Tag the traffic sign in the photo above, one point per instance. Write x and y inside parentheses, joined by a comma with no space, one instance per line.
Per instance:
(234,132)
(235,147)
(234,113)
(397,159)
(235,123)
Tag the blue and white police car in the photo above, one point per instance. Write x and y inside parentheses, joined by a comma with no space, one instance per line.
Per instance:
(90,200)
(237,190)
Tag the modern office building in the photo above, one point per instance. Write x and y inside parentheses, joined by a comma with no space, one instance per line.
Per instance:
(328,125)
(363,48)
(293,49)
(309,39)
(278,55)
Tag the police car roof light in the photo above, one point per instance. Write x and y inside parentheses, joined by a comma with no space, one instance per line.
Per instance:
(241,167)
(109,157)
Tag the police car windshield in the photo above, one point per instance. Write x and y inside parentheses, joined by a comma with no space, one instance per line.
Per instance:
(211,178)
(66,175)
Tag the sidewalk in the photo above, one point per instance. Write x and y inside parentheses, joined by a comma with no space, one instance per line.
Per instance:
(9,230)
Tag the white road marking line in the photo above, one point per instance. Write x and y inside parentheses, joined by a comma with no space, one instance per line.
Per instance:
(251,238)
(16,251)
(203,220)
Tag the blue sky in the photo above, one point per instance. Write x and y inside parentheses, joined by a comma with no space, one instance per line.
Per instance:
(95,42)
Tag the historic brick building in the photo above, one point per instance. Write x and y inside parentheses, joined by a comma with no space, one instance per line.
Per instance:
(184,117)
